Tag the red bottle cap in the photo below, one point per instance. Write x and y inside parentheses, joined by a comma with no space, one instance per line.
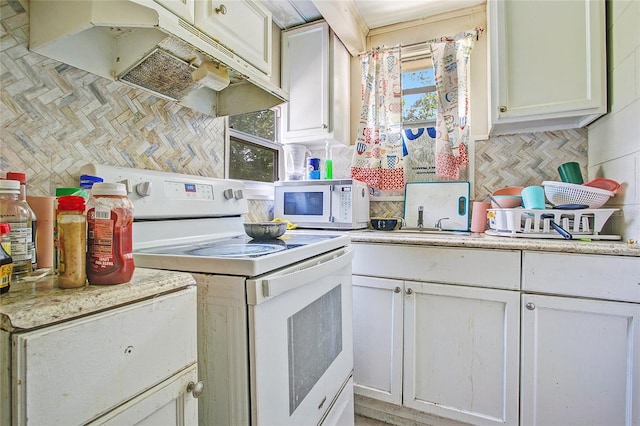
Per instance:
(71,203)
(21,177)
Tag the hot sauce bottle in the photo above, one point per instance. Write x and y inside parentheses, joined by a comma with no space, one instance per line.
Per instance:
(109,234)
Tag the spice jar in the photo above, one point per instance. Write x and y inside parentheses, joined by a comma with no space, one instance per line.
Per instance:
(72,242)
(109,236)
(16,213)
(6,262)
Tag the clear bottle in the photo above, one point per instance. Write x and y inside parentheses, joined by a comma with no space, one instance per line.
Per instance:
(22,178)
(6,262)
(109,234)
(16,213)
(72,242)
(328,161)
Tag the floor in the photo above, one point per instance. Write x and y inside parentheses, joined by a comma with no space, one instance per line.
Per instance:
(365,421)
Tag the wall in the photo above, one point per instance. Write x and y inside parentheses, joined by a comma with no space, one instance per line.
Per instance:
(614,140)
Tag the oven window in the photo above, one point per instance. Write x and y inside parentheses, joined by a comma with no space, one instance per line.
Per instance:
(315,341)
(303,203)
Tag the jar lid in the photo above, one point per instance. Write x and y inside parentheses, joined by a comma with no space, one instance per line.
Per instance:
(71,203)
(10,186)
(19,176)
(108,188)
(68,191)
(5,228)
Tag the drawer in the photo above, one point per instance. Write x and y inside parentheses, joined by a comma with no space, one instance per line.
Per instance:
(72,372)
(472,267)
(582,275)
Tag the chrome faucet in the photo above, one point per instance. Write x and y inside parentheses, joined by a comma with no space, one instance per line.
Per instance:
(439,223)
(420,218)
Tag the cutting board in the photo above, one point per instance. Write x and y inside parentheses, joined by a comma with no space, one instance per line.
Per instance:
(438,200)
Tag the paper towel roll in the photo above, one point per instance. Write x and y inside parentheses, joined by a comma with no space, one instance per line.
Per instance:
(213,76)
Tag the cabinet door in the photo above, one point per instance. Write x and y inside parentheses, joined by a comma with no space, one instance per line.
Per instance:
(244,26)
(377,338)
(182,8)
(461,352)
(552,72)
(168,403)
(580,362)
(305,76)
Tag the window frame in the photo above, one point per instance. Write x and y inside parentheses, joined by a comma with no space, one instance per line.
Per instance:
(255,190)
(413,55)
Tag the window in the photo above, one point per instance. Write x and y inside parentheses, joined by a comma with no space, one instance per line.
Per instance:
(419,96)
(253,152)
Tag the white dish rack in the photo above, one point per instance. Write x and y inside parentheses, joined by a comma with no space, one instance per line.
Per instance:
(529,223)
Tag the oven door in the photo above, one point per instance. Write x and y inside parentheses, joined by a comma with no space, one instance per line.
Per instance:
(300,332)
(303,204)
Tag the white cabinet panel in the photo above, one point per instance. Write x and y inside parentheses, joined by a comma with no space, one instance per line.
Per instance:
(551,76)
(315,73)
(244,26)
(377,339)
(579,362)
(461,353)
(182,8)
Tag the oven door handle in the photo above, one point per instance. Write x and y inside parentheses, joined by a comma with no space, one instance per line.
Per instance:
(303,274)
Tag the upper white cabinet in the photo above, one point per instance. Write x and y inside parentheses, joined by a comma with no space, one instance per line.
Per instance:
(548,64)
(244,26)
(183,8)
(315,73)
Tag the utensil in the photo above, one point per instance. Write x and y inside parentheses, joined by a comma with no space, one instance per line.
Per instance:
(571,206)
(558,228)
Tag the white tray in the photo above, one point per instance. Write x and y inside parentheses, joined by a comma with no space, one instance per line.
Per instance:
(528,223)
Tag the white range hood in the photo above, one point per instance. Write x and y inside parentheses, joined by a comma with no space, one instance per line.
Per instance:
(144,45)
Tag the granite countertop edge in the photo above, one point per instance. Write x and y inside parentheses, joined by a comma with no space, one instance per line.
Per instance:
(484,241)
(34,303)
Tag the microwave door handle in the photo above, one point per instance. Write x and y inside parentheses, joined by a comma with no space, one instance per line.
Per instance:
(276,285)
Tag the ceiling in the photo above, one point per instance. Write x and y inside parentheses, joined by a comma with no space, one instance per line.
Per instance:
(373,13)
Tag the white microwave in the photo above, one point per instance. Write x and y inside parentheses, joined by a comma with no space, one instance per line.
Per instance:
(323,204)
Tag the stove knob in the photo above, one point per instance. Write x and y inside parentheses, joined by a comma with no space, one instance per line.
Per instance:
(239,195)
(228,193)
(144,189)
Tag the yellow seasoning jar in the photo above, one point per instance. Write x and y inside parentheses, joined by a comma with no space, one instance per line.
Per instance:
(72,242)
(6,263)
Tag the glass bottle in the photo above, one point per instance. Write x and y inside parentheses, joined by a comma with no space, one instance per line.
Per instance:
(109,234)
(72,242)
(6,262)
(22,178)
(16,213)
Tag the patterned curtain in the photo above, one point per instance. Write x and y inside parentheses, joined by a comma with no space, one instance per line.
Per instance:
(451,67)
(378,157)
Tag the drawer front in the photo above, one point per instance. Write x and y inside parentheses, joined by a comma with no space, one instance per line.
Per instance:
(72,372)
(473,267)
(582,275)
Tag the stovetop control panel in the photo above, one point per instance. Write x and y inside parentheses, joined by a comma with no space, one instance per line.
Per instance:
(161,195)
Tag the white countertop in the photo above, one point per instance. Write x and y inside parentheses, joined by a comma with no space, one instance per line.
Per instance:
(618,248)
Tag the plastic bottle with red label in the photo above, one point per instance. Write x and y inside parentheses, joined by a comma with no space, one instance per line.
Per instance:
(109,235)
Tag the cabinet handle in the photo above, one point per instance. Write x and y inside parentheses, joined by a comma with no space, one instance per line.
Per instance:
(397,290)
(409,292)
(530,306)
(196,389)
(221,10)
(324,126)
(502,108)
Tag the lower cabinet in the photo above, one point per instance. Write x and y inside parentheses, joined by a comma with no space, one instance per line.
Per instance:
(134,364)
(446,350)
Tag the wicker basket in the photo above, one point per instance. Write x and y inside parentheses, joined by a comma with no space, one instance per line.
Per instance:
(568,193)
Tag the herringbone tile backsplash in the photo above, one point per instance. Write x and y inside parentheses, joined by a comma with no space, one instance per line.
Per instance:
(56,118)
